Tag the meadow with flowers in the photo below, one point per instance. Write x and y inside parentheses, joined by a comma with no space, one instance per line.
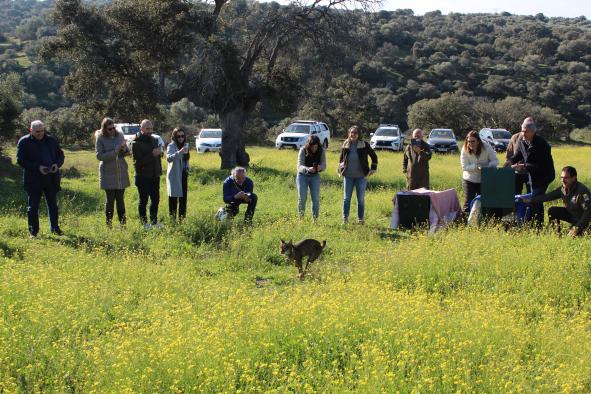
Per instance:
(205,306)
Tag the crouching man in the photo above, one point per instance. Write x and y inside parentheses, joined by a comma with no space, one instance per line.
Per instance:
(577,203)
(238,189)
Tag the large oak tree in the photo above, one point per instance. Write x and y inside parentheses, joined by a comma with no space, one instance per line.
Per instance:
(131,55)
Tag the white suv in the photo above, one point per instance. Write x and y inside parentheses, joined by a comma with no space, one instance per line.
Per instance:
(209,140)
(497,138)
(129,130)
(297,133)
(387,136)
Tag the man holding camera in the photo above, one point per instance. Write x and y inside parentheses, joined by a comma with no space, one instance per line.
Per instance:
(41,157)
(415,163)
(238,189)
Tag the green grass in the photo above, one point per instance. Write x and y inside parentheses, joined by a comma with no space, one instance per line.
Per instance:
(205,307)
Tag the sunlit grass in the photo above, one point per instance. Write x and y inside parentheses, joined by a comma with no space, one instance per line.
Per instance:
(206,307)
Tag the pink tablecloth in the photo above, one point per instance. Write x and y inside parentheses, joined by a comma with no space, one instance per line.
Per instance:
(445,207)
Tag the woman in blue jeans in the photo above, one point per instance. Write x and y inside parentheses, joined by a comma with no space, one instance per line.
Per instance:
(354,167)
(311,160)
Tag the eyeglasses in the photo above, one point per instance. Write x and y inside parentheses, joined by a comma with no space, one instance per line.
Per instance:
(565,177)
(180,136)
(110,128)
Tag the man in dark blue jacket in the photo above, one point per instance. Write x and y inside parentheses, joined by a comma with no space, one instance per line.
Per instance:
(41,157)
(238,189)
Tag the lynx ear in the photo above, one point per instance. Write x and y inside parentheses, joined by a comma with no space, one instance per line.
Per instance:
(282,242)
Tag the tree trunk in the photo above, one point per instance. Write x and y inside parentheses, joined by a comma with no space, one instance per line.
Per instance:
(233,149)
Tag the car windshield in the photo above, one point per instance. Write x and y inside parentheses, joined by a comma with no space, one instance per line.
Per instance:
(298,128)
(210,134)
(442,134)
(388,132)
(501,134)
(128,130)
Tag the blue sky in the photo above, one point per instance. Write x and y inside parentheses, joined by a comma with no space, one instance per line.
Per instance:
(566,8)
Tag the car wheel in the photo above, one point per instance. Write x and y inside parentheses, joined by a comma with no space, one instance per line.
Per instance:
(325,144)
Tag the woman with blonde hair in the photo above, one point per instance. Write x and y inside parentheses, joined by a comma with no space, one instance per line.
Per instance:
(111,149)
(354,167)
(476,155)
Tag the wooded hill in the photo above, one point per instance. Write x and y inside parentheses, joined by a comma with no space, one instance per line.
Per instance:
(358,67)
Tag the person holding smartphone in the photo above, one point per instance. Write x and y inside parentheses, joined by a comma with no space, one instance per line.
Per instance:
(111,149)
(311,160)
(177,173)
(41,157)
(415,163)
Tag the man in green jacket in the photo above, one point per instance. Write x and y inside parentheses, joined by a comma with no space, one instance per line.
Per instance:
(577,203)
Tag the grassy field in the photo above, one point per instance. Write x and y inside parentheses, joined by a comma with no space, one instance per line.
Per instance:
(205,307)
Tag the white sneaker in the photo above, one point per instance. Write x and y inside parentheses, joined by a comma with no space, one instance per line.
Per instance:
(158,226)
(147,226)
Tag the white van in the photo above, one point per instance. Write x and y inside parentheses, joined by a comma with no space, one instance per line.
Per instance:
(296,134)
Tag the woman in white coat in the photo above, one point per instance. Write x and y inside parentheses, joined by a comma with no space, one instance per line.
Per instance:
(177,173)
(475,156)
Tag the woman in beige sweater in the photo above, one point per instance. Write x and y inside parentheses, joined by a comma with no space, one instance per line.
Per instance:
(475,156)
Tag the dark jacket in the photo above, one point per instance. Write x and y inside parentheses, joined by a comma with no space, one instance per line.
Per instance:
(538,161)
(363,150)
(231,188)
(416,166)
(29,155)
(144,163)
(577,202)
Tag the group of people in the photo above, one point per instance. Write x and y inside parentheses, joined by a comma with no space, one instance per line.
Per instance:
(41,157)
(528,154)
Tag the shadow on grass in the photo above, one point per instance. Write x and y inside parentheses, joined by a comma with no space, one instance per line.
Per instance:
(10,252)
(90,244)
(13,197)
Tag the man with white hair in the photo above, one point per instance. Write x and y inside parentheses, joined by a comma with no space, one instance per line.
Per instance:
(41,157)
(148,169)
(238,189)
(534,158)
(415,163)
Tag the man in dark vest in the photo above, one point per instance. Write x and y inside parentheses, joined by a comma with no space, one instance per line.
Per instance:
(41,157)
(148,168)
